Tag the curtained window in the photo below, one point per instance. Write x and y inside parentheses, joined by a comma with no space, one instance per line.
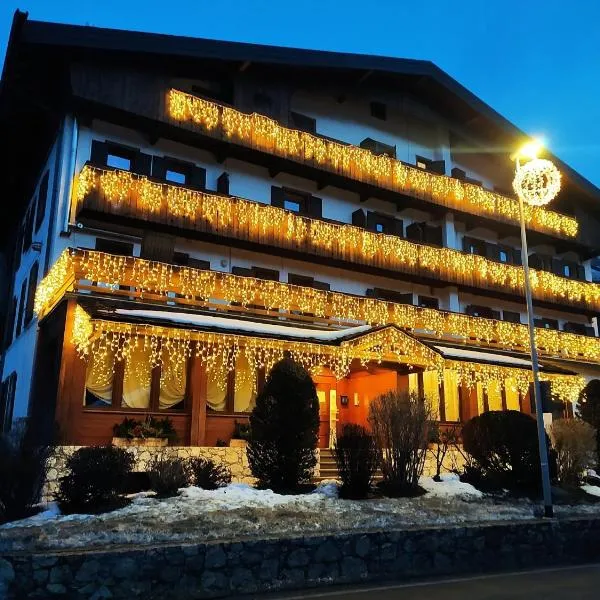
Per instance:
(451,395)
(244,394)
(173,382)
(137,379)
(99,379)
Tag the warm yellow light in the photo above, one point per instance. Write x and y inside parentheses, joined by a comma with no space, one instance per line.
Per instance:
(531,149)
(537,182)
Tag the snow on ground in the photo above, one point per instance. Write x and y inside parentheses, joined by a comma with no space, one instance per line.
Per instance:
(240,511)
(594,490)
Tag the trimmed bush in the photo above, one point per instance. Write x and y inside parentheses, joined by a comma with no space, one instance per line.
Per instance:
(284,428)
(357,457)
(575,444)
(96,480)
(208,475)
(23,465)
(167,475)
(502,448)
(400,424)
(589,409)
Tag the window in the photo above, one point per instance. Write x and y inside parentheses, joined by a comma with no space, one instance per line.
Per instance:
(41,205)
(303,122)
(511,316)
(99,379)
(235,394)
(292,205)
(428,302)
(223,183)
(28,232)
(567,270)
(503,256)
(33,277)
(118,161)
(296,201)
(379,228)
(175,176)
(21,307)
(7,402)
(421,164)
(379,110)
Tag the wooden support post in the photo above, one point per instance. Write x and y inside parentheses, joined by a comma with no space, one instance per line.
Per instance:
(197,396)
(442,415)
(71,386)
(503,393)
(467,398)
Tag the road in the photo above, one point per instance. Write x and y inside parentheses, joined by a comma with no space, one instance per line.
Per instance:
(565,583)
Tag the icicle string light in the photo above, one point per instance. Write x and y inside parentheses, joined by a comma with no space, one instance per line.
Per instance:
(260,132)
(195,287)
(107,339)
(132,195)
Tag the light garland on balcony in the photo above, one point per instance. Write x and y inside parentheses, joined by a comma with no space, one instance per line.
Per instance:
(244,219)
(219,352)
(171,348)
(258,131)
(199,286)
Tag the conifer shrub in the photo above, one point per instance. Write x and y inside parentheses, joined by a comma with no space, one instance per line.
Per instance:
(207,474)
(356,456)
(400,424)
(96,480)
(502,451)
(284,429)
(23,465)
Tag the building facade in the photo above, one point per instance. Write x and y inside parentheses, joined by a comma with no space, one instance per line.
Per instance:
(187,212)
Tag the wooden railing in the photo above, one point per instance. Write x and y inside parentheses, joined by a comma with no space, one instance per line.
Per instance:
(123,194)
(89,271)
(262,133)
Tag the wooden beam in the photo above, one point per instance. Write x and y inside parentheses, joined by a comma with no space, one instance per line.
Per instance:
(197,396)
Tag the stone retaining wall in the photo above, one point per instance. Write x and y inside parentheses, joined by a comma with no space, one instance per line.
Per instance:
(216,569)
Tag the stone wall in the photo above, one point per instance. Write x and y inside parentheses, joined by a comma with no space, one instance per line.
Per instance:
(216,569)
(233,458)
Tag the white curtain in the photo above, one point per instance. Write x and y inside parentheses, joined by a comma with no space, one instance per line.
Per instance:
(244,396)
(172,383)
(137,379)
(215,395)
(99,377)
(451,395)
(431,391)
(494,394)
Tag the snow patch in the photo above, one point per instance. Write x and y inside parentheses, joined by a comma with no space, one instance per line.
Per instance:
(449,487)
(593,490)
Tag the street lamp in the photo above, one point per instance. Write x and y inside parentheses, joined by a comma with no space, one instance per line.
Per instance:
(536,182)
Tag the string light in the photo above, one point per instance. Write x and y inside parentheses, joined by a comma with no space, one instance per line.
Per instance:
(76,269)
(260,132)
(537,182)
(252,221)
(219,352)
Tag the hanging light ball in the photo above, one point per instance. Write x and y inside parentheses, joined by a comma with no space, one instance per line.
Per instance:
(537,182)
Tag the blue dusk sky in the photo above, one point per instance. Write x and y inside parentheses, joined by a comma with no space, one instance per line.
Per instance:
(535,62)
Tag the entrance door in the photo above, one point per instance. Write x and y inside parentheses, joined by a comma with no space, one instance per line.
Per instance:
(326,392)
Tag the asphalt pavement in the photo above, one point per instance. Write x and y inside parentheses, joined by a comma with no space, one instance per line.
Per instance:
(564,583)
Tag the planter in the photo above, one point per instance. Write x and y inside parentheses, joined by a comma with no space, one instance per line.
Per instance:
(141,442)
(235,443)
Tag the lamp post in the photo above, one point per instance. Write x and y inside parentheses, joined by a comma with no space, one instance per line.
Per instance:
(536,183)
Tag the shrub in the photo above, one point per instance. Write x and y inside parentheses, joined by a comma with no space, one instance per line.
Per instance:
(442,440)
(284,428)
(241,431)
(208,475)
(400,425)
(167,475)
(589,409)
(23,465)
(575,444)
(357,457)
(96,479)
(503,453)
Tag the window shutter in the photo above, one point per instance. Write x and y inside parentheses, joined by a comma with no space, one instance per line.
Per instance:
(262,273)
(433,235)
(581,272)
(159,167)
(535,262)
(398,227)
(198,177)
(492,251)
(141,163)
(33,277)
(315,207)
(358,218)
(277,196)
(159,247)
(41,207)
(98,153)
(223,183)
(438,166)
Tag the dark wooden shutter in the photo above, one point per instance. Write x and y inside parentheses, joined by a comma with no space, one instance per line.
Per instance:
(262,273)
(198,177)
(223,183)
(10,323)
(141,163)
(511,317)
(41,207)
(433,235)
(492,251)
(314,207)
(33,277)
(114,247)
(22,299)
(277,196)
(99,153)
(359,218)
(157,246)
(159,167)
(557,266)
(580,272)
(438,166)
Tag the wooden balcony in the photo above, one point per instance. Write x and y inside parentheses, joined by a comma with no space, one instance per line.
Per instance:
(139,280)
(127,198)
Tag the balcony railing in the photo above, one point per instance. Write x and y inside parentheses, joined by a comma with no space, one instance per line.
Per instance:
(89,271)
(264,134)
(123,194)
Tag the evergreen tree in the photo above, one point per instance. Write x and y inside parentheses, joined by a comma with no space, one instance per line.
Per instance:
(589,409)
(284,429)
